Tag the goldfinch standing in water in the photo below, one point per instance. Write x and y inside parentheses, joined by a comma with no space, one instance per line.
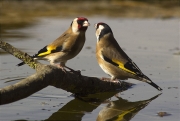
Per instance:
(113,60)
(67,46)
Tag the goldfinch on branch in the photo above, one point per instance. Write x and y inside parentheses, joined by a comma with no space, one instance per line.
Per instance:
(113,60)
(67,46)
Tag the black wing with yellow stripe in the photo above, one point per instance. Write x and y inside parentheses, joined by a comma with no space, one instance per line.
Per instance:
(48,50)
(129,66)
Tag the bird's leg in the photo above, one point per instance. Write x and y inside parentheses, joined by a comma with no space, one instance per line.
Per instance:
(116,81)
(61,67)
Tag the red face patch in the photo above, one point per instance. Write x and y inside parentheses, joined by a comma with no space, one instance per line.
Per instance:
(80,22)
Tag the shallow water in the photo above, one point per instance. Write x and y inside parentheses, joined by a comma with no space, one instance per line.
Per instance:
(151,43)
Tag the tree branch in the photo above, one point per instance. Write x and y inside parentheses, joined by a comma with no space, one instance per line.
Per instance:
(48,75)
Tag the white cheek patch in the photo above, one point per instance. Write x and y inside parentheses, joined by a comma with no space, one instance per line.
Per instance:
(75,26)
(98,31)
(75,29)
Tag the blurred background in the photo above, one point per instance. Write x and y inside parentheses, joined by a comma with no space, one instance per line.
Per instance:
(20,13)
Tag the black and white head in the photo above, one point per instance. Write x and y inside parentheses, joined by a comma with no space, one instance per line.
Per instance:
(80,24)
(102,29)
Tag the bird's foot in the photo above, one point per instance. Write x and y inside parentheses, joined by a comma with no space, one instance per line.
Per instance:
(111,80)
(78,72)
(116,81)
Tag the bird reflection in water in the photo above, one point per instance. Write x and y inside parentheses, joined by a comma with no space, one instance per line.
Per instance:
(122,110)
(118,110)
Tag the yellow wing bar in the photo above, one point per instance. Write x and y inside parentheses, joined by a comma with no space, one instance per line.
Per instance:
(121,65)
(48,50)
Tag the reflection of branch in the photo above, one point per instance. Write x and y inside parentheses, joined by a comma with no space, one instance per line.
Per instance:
(78,107)
(122,110)
(48,75)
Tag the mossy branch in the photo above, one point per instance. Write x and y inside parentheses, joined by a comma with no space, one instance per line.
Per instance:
(48,75)
(19,54)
